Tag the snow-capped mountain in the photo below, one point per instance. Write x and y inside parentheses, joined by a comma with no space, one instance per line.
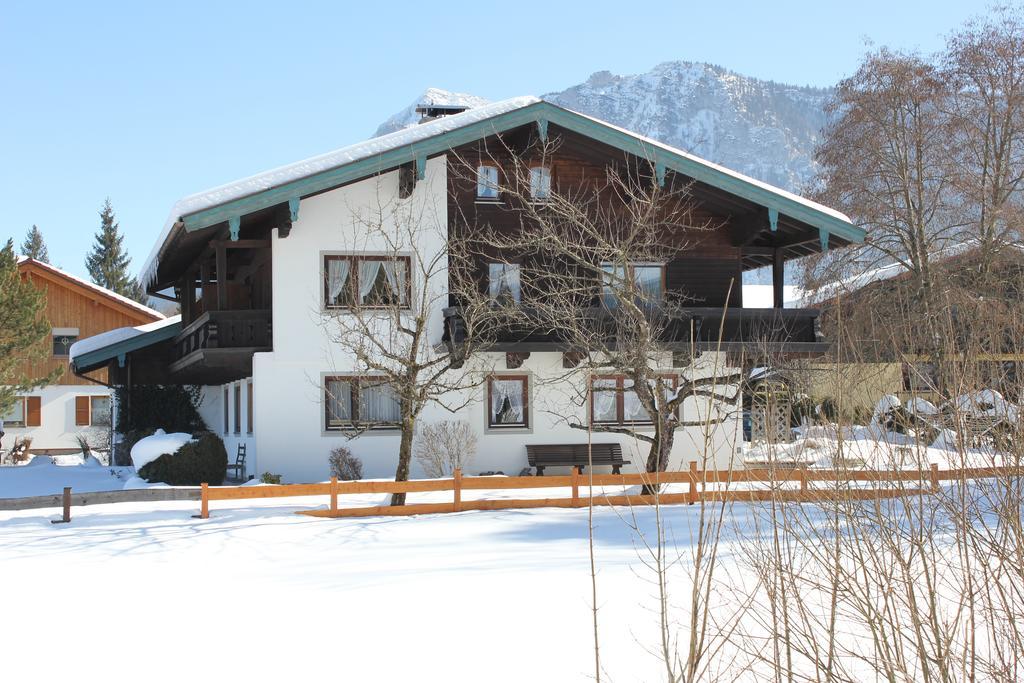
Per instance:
(761,128)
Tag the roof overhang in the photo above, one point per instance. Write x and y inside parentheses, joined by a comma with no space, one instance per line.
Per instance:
(119,347)
(776,202)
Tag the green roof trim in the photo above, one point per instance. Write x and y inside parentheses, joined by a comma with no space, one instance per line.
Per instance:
(541,114)
(100,357)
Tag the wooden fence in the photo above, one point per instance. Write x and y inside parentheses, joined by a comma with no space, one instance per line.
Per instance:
(928,481)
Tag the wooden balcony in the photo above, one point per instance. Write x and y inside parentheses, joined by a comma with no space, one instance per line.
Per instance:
(753,331)
(218,346)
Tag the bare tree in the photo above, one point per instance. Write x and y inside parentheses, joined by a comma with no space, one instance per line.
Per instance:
(590,262)
(984,66)
(384,312)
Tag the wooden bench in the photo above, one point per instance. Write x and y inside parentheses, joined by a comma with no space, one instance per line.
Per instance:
(575,455)
(239,466)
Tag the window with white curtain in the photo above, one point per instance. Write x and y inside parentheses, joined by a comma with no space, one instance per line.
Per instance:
(15,415)
(508,401)
(503,282)
(540,183)
(367,281)
(613,400)
(357,401)
(487,183)
(649,279)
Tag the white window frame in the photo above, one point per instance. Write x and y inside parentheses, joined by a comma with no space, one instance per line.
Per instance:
(487,188)
(540,183)
(503,270)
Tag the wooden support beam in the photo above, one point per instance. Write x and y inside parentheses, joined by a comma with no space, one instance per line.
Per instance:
(222,278)
(514,361)
(406,180)
(773,219)
(778,278)
(542,129)
(234,225)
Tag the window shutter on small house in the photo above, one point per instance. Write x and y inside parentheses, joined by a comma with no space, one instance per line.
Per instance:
(81,410)
(33,411)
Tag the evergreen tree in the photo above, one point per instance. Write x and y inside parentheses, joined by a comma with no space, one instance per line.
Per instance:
(34,246)
(24,331)
(108,263)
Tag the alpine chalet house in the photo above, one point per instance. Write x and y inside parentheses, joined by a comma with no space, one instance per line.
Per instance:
(55,415)
(259,266)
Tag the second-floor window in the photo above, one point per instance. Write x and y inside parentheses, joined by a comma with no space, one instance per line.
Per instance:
(367,281)
(503,282)
(540,183)
(649,279)
(487,183)
(354,401)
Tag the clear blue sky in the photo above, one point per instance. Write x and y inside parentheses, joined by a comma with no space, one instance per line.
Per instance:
(145,102)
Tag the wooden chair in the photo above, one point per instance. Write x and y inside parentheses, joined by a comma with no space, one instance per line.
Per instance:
(239,466)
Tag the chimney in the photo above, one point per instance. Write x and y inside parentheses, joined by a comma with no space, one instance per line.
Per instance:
(429,112)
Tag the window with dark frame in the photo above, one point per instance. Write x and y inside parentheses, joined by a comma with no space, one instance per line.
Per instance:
(613,400)
(238,409)
(487,183)
(367,281)
(62,344)
(357,401)
(248,407)
(227,425)
(508,401)
(649,279)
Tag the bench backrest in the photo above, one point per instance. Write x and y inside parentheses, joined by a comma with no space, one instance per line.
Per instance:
(573,454)
(240,455)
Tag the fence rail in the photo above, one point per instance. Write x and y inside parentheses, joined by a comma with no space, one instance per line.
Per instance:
(929,482)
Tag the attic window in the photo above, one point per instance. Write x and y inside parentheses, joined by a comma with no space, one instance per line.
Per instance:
(540,183)
(63,338)
(487,183)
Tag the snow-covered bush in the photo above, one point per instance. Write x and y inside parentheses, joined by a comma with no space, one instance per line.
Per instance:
(443,447)
(344,465)
(198,461)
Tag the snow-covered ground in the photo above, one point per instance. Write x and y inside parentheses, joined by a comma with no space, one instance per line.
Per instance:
(45,475)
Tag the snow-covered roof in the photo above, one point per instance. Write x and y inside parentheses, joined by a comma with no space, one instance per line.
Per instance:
(838,215)
(307,167)
(410,136)
(111,337)
(103,291)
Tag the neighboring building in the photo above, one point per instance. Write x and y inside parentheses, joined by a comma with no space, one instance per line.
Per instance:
(257,264)
(52,416)
(883,351)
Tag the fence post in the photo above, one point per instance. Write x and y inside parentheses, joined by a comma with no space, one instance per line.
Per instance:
(576,486)
(66,502)
(935,477)
(457,487)
(204,508)
(334,496)
(692,497)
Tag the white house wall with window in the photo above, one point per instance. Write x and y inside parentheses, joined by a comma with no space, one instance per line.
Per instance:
(308,392)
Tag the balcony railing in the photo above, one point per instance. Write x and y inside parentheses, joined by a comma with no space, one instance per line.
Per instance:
(224,330)
(787,330)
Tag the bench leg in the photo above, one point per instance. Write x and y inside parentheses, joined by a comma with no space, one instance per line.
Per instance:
(540,470)
(579,468)
(615,469)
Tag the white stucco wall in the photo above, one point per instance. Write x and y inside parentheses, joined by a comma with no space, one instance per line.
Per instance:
(289,436)
(57,429)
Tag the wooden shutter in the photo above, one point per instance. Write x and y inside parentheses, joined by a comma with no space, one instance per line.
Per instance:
(33,411)
(81,410)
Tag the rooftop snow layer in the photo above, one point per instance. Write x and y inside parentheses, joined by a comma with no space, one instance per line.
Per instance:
(105,339)
(307,167)
(379,145)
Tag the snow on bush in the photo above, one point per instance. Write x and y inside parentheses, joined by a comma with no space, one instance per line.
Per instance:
(919,406)
(150,448)
(885,405)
